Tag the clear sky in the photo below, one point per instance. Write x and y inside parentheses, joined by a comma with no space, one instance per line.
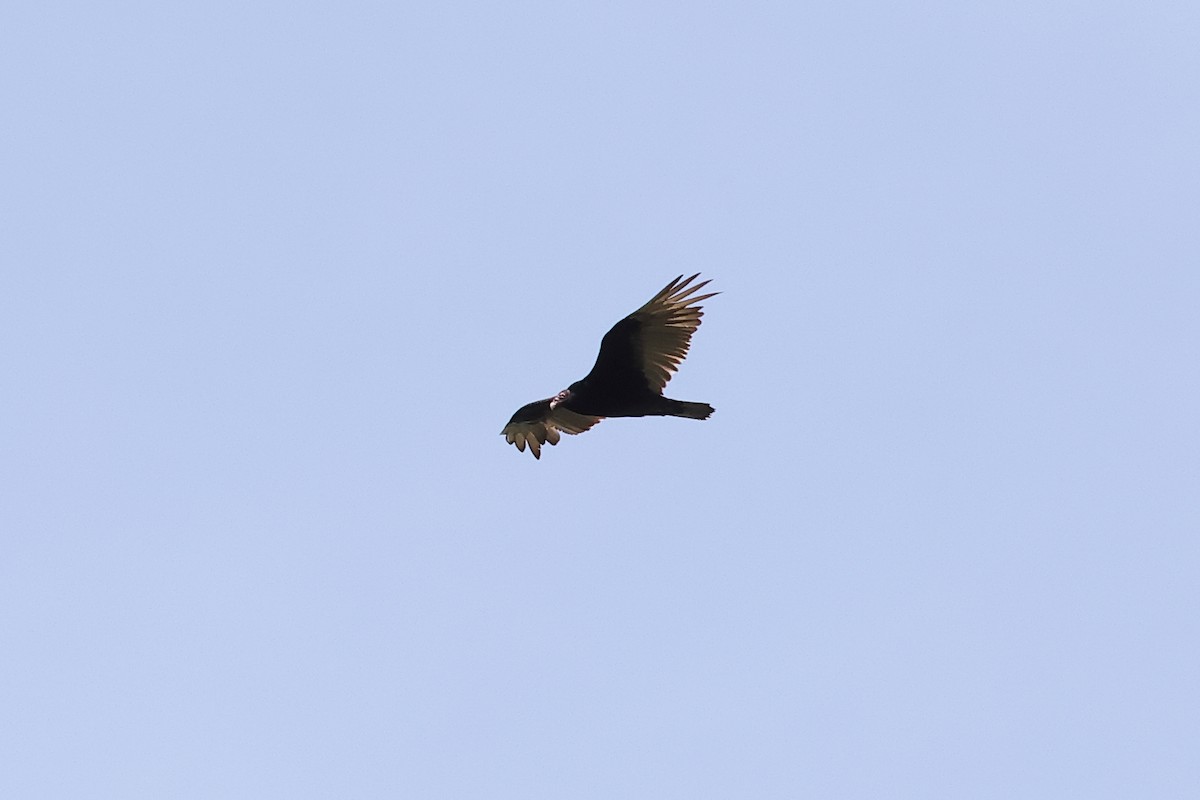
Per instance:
(274,275)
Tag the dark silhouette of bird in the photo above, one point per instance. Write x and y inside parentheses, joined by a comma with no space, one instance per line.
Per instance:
(637,357)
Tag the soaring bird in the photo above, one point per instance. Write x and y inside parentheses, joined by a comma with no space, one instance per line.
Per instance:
(637,357)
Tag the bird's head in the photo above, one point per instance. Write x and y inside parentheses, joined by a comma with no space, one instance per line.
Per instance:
(561,397)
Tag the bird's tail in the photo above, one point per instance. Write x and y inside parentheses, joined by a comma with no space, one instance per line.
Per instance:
(684,408)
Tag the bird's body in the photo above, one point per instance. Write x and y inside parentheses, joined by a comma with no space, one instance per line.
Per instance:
(637,357)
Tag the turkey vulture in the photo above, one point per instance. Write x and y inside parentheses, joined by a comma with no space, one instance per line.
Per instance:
(637,357)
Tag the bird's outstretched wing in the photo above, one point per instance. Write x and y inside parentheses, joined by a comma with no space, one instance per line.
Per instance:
(537,423)
(652,341)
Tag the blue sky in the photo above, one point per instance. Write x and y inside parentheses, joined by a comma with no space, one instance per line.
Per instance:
(275,275)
